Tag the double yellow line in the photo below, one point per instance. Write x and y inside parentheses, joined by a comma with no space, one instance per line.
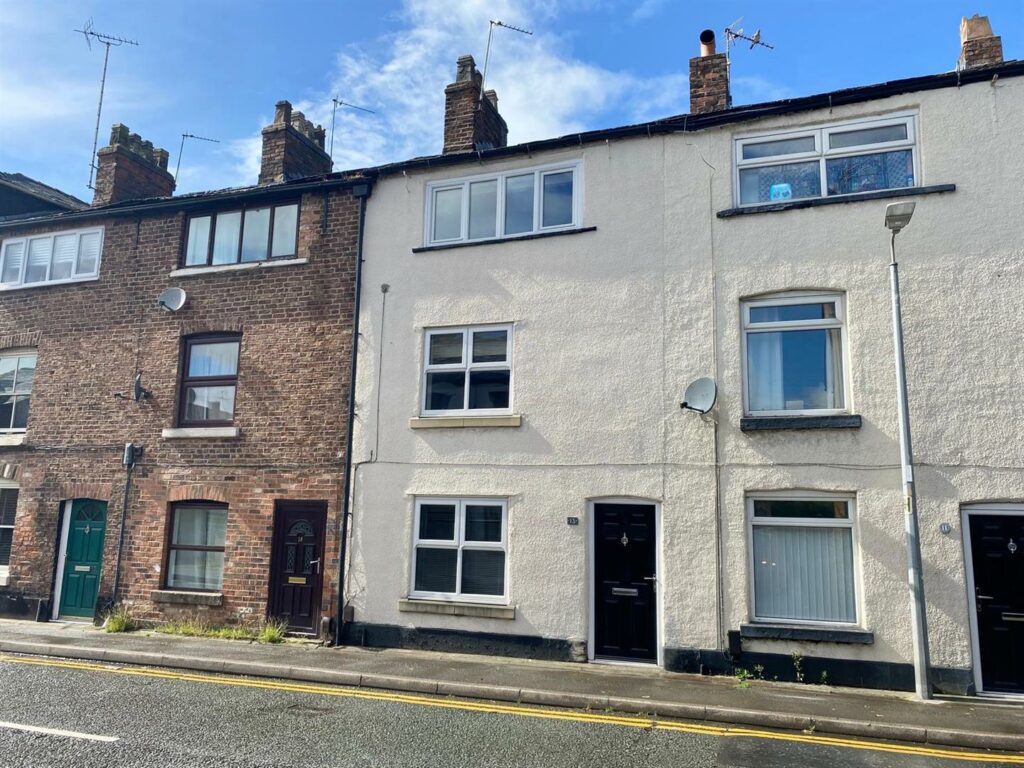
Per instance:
(526,711)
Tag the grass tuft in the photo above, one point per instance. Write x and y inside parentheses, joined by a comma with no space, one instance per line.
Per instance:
(269,631)
(120,619)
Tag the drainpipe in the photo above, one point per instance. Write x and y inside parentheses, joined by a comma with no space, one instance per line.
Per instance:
(131,454)
(362,192)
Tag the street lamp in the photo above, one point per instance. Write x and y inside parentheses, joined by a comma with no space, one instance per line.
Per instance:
(897,216)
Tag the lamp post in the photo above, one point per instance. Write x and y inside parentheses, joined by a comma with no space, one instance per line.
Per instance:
(897,216)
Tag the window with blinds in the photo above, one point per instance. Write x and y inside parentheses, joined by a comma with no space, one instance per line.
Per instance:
(57,257)
(8,505)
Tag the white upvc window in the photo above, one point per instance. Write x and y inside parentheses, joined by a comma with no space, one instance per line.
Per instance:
(793,353)
(459,550)
(825,161)
(8,507)
(17,373)
(803,549)
(510,204)
(467,370)
(56,257)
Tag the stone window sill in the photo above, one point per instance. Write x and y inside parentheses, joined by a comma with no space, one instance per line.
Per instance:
(500,240)
(440,607)
(196,271)
(462,422)
(814,202)
(834,421)
(812,634)
(178,597)
(15,439)
(5,578)
(180,433)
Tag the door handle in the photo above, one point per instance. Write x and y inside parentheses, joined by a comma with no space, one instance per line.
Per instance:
(317,564)
(654,582)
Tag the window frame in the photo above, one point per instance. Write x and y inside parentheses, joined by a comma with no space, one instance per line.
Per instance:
(468,366)
(463,183)
(7,485)
(19,352)
(170,545)
(26,239)
(212,215)
(823,153)
(459,543)
(849,522)
(185,381)
(785,299)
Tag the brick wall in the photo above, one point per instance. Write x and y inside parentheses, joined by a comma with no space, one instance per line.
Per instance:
(92,337)
(709,83)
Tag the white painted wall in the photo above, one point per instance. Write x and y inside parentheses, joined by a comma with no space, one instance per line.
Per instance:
(610,326)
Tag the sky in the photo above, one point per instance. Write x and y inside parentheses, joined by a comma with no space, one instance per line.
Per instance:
(215,68)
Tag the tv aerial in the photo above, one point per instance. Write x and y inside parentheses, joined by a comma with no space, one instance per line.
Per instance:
(181,148)
(107,40)
(700,395)
(339,103)
(734,32)
(490,36)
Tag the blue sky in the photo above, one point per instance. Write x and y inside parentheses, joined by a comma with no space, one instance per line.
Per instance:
(216,67)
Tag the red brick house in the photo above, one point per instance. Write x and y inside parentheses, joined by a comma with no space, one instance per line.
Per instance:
(234,404)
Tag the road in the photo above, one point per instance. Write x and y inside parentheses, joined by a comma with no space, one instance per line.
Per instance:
(148,717)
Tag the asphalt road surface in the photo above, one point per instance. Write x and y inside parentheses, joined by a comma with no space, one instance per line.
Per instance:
(131,716)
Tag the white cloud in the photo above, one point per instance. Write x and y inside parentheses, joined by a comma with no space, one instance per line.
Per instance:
(543,90)
(647,9)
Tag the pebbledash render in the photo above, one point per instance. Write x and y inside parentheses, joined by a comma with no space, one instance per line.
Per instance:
(526,482)
(233,402)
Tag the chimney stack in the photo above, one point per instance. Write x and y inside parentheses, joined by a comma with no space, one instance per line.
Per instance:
(709,78)
(130,169)
(470,122)
(978,46)
(293,147)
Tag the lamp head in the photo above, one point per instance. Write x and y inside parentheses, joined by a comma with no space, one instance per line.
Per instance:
(897,215)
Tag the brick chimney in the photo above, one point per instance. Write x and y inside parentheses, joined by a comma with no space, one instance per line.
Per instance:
(709,78)
(130,169)
(293,147)
(978,46)
(471,123)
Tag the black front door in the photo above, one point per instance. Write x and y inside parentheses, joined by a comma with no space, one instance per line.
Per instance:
(625,605)
(997,550)
(296,574)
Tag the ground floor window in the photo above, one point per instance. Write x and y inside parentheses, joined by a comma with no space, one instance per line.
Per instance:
(195,554)
(803,558)
(459,549)
(8,505)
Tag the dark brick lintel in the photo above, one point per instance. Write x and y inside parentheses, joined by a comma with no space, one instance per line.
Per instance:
(814,202)
(496,241)
(837,421)
(812,634)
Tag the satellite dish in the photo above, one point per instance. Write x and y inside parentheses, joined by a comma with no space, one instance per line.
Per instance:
(171,300)
(700,396)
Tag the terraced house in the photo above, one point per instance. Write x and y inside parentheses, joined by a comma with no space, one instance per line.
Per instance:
(531,317)
(179,451)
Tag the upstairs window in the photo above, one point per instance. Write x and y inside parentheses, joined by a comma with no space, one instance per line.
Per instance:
(467,370)
(58,257)
(17,372)
(510,204)
(793,350)
(209,380)
(840,159)
(241,237)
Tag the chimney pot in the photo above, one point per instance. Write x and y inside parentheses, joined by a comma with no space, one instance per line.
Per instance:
(979,47)
(293,148)
(707,42)
(130,168)
(471,122)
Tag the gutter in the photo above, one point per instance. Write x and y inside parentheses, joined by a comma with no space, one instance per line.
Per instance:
(362,192)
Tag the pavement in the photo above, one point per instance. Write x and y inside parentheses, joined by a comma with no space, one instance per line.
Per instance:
(967,723)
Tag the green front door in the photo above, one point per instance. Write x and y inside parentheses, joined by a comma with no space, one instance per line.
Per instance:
(83,558)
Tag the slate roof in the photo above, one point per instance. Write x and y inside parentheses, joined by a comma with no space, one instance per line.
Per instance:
(40,191)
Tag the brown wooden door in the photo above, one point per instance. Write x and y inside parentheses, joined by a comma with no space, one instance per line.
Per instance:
(296,574)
